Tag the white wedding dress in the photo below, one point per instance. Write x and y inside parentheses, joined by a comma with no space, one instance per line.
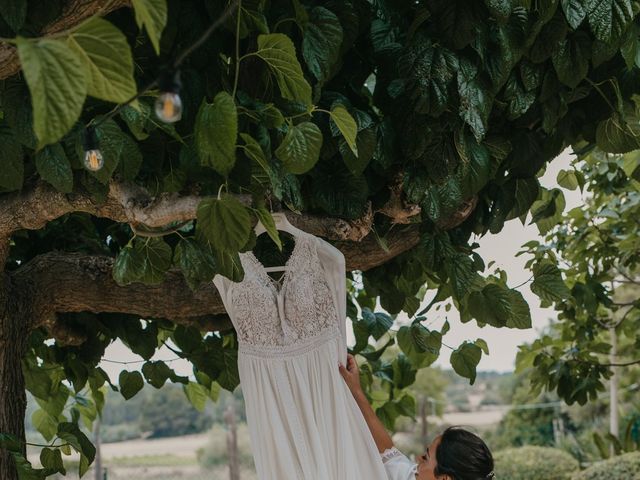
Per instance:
(303,422)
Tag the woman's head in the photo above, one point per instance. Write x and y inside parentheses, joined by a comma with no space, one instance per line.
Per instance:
(456,454)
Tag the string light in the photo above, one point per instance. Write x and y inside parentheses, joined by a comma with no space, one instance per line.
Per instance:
(93,159)
(169,104)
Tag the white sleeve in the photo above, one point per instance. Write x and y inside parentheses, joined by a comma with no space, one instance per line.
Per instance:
(398,466)
(334,266)
(221,282)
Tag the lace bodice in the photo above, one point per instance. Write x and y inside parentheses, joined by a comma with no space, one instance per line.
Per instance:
(302,305)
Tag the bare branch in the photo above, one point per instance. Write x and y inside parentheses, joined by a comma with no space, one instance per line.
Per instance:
(73,14)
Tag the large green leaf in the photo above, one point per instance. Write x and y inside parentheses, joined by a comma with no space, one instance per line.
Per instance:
(153,15)
(475,99)
(54,167)
(270,225)
(197,264)
(608,18)
(146,261)
(51,459)
(547,282)
(571,58)
(71,433)
(499,306)
(419,344)
(157,373)
(108,60)
(45,424)
(615,135)
(347,126)
(465,359)
(300,149)
(430,69)
(216,131)
(377,323)
(197,395)
(14,12)
(130,383)
(280,54)
(56,77)
(226,223)
(321,42)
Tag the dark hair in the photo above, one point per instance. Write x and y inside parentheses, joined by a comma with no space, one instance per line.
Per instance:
(463,456)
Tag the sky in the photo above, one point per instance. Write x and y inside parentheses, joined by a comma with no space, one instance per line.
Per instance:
(503,342)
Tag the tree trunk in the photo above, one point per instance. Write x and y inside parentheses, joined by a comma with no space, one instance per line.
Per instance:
(232,443)
(13,399)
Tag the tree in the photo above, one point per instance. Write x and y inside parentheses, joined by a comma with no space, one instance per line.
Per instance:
(397,130)
(596,250)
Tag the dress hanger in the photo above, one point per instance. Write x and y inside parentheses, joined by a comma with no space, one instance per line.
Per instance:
(282,224)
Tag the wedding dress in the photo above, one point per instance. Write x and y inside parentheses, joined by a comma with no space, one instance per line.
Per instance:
(303,422)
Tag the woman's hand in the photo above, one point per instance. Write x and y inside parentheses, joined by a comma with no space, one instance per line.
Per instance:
(351,375)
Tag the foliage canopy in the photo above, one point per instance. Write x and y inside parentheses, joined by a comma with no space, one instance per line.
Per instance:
(329,108)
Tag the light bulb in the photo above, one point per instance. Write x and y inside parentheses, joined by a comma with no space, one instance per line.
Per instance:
(93,160)
(169,104)
(169,107)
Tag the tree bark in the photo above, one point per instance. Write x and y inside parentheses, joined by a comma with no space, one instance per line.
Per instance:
(13,399)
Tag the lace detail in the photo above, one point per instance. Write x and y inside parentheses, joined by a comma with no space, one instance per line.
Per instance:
(390,453)
(302,308)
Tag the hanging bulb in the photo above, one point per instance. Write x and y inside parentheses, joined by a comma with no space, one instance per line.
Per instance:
(169,107)
(93,159)
(169,104)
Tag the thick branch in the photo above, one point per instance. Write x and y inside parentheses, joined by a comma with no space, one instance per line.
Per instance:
(74,13)
(63,282)
(32,208)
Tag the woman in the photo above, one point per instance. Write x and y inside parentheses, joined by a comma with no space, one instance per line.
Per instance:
(456,454)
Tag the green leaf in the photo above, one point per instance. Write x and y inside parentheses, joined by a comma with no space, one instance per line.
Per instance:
(56,78)
(430,69)
(300,149)
(608,19)
(465,359)
(461,274)
(107,58)
(615,135)
(547,282)
(11,161)
(197,395)
(366,144)
(339,192)
(197,265)
(419,344)
(253,150)
(226,223)
(574,11)
(227,360)
(71,433)
(51,459)
(377,323)
(483,345)
(130,383)
(120,152)
(571,58)
(14,12)
(475,99)
(153,15)
(156,373)
(321,42)
(347,126)
(280,54)
(568,179)
(45,424)
(216,131)
(269,224)
(54,167)
(499,306)
(154,259)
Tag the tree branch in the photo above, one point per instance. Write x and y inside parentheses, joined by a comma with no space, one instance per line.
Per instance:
(75,12)
(65,282)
